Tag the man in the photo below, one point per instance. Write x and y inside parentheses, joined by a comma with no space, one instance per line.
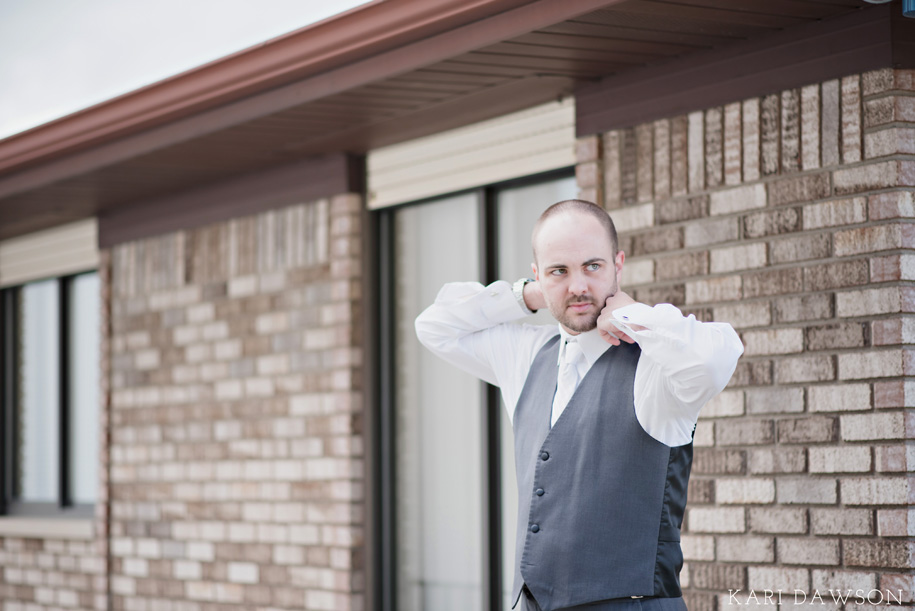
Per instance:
(603,410)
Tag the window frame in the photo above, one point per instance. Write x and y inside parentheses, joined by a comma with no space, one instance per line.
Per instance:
(10,506)
(383,476)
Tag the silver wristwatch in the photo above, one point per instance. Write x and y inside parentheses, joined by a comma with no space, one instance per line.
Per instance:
(518,292)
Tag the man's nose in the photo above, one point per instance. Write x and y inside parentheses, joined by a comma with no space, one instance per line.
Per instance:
(578,285)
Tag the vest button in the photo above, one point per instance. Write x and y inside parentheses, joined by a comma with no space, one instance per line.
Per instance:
(539,492)
(544,455)
(534,528)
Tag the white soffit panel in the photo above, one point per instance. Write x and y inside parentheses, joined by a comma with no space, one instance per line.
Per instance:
(520,144)
(63,250)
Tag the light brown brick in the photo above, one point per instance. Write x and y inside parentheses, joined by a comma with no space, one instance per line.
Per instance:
(657,240)
(873,426)
(587,148)
(839,335)
(714,147)
(895,204)
(885,553)
(682,209)
(868,302)
(750,130)
(806,491)
(872,364)
(744,491)
(644,135)
(679,166)
(775,520)
(709,461)
(784,460)
(734,258)
(835,213)
(696,151)
(773,341)
(830,123)
(843,459)
(807,551)
(851,119)
(745,548)
(790,125)
(717,576)
(726,403)
(775,282)
(716,520)
(893,393)
(880,491)
(770,134)
(703,233)
(803,189)
(775,400)
(839,397)
(800,248)
(893,458)
(813,429)
(697,547)
(744,432)
(683,265)
(762,578)
(587,174)
(878,175)
(817,306)
(810,127)
(841,521)
(612,179)
(842,583)
(819,368)
(737,199)
(890,141)
(771,222)
(744,315)
(874,239)
(732,144)
(894,522)
(712,290)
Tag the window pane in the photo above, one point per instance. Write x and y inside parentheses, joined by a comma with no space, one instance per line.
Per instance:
(84,388)
(38,415)
(518,211)
(438,423)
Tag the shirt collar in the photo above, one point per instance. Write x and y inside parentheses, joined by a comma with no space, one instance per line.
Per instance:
(592,344)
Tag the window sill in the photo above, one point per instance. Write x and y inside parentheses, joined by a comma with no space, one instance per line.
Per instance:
(47,528)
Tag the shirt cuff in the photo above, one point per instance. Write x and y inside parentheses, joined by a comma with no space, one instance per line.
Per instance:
(496,302)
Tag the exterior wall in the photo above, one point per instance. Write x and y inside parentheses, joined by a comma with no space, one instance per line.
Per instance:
(790,217)
(236,441)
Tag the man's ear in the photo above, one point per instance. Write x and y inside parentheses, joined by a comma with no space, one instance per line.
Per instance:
(618,263)
(534,269)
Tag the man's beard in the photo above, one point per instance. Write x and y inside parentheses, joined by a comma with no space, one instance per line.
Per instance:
(580,324)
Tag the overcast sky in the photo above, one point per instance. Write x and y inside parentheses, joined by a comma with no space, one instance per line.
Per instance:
(59,56)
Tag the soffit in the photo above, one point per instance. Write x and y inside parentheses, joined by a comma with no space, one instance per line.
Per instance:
(495,57)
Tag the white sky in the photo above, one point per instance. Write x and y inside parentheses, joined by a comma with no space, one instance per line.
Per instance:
(59,56)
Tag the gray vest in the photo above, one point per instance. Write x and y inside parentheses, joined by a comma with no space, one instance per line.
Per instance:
(600,502)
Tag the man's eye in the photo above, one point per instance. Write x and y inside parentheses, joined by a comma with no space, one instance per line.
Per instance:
(593,267)
(558,272)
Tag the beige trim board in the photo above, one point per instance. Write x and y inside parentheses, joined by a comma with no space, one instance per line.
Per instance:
(519,144)
(47,528)
(59,251)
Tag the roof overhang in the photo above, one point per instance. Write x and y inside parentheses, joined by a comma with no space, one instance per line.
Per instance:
(382,73)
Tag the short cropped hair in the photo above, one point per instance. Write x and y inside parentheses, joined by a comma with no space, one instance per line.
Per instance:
(577,205)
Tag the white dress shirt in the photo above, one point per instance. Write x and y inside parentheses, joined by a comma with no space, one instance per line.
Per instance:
(684,362)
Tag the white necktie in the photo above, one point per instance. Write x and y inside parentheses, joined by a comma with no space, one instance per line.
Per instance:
(568,378)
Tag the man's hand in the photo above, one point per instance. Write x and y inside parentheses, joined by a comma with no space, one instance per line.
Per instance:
(607,329)
(533,296)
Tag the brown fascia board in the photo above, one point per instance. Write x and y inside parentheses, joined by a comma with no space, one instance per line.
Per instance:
(356,34)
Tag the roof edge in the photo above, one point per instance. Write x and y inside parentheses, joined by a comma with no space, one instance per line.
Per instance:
(355,34)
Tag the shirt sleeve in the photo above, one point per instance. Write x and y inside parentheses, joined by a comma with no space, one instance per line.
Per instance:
(684,364)
(468,326)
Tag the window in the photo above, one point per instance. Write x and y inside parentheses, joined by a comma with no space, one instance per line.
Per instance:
(446,460)
(50,402)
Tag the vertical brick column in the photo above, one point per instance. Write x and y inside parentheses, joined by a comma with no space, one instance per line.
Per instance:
(789,216)
(236,450)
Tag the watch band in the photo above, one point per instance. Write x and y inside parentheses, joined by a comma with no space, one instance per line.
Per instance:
(518,292)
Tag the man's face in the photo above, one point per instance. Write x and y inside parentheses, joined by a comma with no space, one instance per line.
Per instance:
(576,268)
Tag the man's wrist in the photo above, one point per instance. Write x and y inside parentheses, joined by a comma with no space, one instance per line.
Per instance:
(518,292)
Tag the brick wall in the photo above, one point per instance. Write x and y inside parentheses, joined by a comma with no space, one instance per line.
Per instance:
(789,216)
(236,450)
